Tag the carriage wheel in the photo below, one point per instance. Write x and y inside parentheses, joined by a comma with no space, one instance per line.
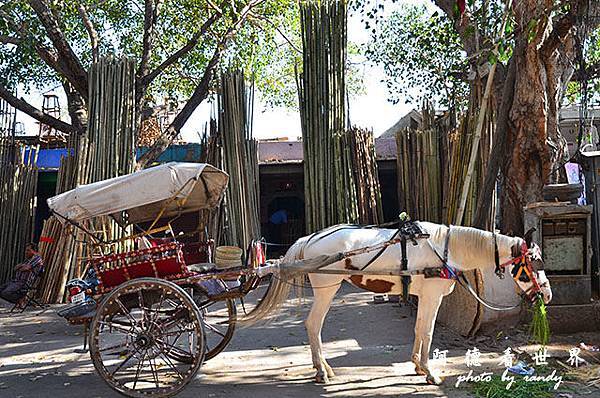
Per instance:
(218,318)
(137,331)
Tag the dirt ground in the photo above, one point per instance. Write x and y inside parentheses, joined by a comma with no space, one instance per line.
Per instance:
(368,345)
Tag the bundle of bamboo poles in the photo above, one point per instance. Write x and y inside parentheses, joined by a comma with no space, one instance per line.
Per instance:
(112,120)
(240,159)
(432,165)
(361,144)
(330,194)
(420,169)
(18,183)
(211,222)
(459,145)
(106,150)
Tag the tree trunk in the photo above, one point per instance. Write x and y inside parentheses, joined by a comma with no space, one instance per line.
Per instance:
(77,108)
(537,145)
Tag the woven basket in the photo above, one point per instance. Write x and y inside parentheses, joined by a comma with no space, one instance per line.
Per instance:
(228,257)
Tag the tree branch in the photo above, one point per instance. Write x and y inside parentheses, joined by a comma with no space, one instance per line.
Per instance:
(35,113)
(70,65)
(200,92)
(183,51)
(281,33)
(5,39)
(89,26)
(591,72)
(470,41)
(563,25)
(150,16)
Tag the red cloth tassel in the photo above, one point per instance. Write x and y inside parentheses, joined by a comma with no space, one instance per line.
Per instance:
(461,6)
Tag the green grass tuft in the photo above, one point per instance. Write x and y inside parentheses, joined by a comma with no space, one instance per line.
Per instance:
(496,388)
(540,328)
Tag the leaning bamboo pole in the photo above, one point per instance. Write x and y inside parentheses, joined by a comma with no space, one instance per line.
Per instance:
(481,118)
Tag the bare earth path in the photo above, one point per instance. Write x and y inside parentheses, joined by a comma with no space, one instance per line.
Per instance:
(368,345)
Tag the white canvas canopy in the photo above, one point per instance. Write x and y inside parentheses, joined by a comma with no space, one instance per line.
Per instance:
(175,187)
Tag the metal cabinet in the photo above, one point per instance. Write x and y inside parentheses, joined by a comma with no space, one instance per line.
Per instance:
(590,162)
(563,232)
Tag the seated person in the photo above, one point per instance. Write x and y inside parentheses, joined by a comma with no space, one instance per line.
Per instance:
(25,274)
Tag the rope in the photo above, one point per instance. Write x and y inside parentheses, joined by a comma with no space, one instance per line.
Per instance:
(466,285)
(465,282)
(287,282)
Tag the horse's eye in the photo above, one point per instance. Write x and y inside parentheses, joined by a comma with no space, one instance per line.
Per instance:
(524,277)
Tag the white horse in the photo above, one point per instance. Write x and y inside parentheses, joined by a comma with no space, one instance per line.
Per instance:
(467,249)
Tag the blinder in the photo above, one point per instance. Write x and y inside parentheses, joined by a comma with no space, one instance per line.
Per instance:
(525,260)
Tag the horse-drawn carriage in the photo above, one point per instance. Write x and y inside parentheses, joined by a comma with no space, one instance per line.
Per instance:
(158,310)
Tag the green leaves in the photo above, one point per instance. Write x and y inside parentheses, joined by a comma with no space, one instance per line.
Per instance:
(257,45)
(419,52)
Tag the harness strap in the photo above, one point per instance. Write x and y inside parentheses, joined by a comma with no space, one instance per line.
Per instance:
(498,270)
(446,245)
(380,252)
(404,267)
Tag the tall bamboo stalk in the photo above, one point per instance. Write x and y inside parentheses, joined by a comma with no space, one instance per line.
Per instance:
(330,193)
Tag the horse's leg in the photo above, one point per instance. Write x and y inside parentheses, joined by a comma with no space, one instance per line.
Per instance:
(416,352)
(430,300)
(416,286)
(324,288)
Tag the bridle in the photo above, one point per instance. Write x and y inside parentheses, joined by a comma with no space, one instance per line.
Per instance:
(522,269)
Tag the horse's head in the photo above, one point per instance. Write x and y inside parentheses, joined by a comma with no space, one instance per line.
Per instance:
(527,269)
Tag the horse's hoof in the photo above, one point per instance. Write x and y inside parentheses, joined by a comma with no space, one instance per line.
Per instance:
(420,371)
(435,380)
(321,379)
(329,372)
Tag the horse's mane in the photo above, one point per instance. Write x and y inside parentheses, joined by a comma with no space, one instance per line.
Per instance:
(471,247)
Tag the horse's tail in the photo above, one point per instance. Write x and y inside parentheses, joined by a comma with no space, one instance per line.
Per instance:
(278,290)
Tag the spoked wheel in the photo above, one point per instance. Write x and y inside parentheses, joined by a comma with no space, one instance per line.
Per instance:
(139,330)
(218,318)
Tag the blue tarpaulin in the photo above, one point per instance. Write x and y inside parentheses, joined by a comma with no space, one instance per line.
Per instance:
(49,159)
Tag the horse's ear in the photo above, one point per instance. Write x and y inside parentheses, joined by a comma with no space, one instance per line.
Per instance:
(528,236)
(515,250)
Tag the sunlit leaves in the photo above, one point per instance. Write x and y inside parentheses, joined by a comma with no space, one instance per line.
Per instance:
(258,47)
(419,51)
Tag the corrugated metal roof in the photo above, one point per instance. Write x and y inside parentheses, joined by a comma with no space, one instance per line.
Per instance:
(272,152)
